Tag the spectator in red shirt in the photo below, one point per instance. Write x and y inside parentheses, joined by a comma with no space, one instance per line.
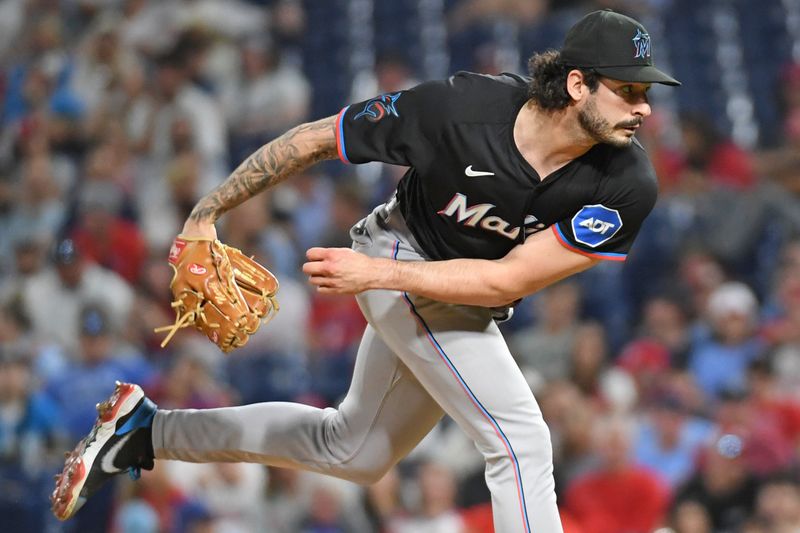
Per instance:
(770,402)
(762,430)
(103,236)
(618,497)
(715,154)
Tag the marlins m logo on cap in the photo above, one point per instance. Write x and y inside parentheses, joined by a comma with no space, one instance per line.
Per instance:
(601,41)
(642,43)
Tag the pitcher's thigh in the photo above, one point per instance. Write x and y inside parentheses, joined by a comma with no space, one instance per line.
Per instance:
(458,354)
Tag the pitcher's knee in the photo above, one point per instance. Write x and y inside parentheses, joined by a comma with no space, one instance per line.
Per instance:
(360,458)
(536,444)
(364,474)
(530,443)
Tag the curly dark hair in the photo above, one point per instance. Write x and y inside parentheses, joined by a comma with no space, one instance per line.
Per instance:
(548,86)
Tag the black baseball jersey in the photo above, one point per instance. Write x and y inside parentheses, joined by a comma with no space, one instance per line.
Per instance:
(469,192)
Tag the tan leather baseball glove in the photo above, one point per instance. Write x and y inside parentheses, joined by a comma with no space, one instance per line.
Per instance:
(220,291)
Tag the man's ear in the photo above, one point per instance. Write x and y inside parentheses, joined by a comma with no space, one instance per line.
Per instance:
(575,86)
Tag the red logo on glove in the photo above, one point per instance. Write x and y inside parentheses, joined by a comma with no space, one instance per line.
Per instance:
(175,251)
(194,268)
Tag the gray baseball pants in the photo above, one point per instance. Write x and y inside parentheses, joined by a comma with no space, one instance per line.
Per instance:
(418,359)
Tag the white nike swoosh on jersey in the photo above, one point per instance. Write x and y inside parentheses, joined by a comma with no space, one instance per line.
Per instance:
(107,463)
(475,173)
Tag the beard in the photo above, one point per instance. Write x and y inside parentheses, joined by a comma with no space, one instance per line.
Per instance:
(601,130)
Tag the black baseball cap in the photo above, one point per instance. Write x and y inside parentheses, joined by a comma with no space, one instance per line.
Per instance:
(614,46)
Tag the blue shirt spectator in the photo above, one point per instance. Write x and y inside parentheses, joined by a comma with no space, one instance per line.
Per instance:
(720,361)
(669,441)
(29,421)
(29,429)
(717,366)
(103,361)
(81,387)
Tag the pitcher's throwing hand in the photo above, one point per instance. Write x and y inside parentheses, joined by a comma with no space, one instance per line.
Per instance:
(342,271)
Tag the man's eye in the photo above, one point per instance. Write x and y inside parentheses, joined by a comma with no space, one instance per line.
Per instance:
(626,89)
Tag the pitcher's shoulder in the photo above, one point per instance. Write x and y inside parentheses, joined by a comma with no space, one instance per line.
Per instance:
(484,98)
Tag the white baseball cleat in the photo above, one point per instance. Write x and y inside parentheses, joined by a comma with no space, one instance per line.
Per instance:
(117,443)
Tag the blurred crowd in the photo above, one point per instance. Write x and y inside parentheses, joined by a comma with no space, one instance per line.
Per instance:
(670,383)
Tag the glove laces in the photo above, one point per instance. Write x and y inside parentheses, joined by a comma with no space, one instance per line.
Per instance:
(183,320)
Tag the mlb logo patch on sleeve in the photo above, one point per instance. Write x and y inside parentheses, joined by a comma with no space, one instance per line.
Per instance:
(595,224)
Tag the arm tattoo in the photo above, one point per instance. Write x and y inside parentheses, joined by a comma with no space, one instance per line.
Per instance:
(290,153)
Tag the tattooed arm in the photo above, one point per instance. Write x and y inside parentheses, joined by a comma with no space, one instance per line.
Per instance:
(295,150)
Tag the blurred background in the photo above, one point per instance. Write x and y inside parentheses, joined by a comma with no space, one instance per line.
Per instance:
(671,383)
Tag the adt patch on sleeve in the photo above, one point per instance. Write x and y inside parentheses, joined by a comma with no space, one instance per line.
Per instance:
(595,224)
